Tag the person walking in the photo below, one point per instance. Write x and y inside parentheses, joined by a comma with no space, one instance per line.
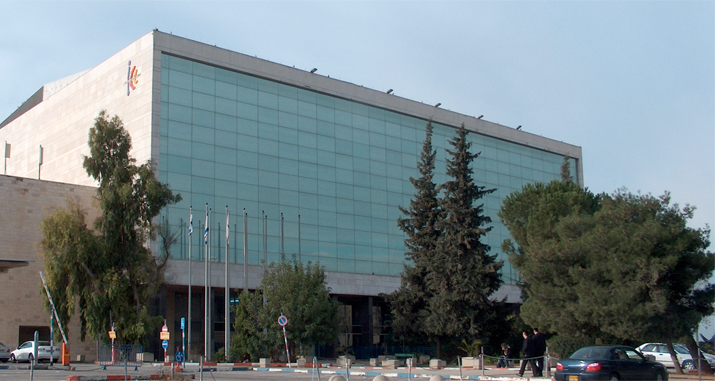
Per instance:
(539,346)
(527,351)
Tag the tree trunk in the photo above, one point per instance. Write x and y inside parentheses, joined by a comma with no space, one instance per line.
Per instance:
(439,347)
(693,348)
(674,357)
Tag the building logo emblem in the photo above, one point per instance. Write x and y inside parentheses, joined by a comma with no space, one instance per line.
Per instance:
(132,77)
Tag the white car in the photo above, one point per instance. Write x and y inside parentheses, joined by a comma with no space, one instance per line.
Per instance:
(44,351)
(661,354)
(4,352)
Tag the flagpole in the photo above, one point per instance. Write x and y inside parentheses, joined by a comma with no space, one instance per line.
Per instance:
(265,250)
(227,313)
(245,250)
(299,248)
(191,230)
(207,286)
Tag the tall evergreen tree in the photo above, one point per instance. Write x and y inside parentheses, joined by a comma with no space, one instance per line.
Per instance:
(463,275)
(408,303)
(566,170)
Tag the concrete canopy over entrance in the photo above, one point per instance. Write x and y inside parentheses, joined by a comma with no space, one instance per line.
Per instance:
(6,264)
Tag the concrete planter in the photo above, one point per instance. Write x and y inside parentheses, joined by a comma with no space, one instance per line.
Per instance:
(300,362)
(343,360)
(392,364)
(472,362)
(436,364)
(264,363)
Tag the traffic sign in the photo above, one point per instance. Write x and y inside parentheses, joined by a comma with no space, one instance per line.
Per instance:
(164,334)
(282,320)
(183,323)
(179,357)
(165,344)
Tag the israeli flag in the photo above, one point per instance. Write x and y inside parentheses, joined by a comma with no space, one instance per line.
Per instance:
(191,222)
(206,231)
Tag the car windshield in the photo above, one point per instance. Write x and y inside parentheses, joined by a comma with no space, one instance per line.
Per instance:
(590,353)
(682,349)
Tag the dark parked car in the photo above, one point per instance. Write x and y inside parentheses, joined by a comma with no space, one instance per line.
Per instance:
(609,362)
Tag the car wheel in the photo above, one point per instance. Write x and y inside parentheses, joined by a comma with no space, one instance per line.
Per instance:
(12,358)
(30,357)
(613,377)
(688,365)
(659,376)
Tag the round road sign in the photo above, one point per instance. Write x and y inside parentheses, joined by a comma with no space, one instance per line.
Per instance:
(282,320)
(165,344)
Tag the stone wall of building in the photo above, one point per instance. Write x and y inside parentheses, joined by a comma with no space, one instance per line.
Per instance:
(24,203)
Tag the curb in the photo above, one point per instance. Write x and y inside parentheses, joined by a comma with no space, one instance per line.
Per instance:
(120,377)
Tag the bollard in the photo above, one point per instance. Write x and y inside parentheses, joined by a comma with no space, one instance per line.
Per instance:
(201,368)
(459,365)
(409,368)
(347,368)
(316,369)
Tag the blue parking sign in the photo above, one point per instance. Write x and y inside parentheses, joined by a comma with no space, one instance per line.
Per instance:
(165,344)
(183,323)
(179,357)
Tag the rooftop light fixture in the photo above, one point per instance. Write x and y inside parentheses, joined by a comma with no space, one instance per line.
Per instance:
(437,105)
(519,128)
(480,117)
(314,70)
(389,91)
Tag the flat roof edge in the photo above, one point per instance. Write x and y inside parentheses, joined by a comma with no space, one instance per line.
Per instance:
(231,60)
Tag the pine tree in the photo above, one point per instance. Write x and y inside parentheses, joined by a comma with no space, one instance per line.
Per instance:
(462,275)
(565,170)
(619,268)
(408,303)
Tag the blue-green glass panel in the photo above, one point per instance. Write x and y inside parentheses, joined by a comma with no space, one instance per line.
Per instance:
(247,95)
(226,106)
(204,85)
(180,80)
(178,147)
(326,173)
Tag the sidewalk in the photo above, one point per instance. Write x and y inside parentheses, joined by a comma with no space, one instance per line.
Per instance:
(360,369)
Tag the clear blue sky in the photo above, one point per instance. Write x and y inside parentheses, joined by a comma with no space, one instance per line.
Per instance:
(631,82)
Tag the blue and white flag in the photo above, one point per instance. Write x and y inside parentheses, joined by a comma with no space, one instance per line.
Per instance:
(191,221)
(206,231)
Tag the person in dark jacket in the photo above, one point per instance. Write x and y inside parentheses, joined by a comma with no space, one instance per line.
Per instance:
(539,342)
(527,352)
(505,354)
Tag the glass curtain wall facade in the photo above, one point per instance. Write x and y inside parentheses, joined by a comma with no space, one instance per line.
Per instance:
(320,176)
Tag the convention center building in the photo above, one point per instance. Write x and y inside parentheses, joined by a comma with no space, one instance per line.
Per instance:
(306,165)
